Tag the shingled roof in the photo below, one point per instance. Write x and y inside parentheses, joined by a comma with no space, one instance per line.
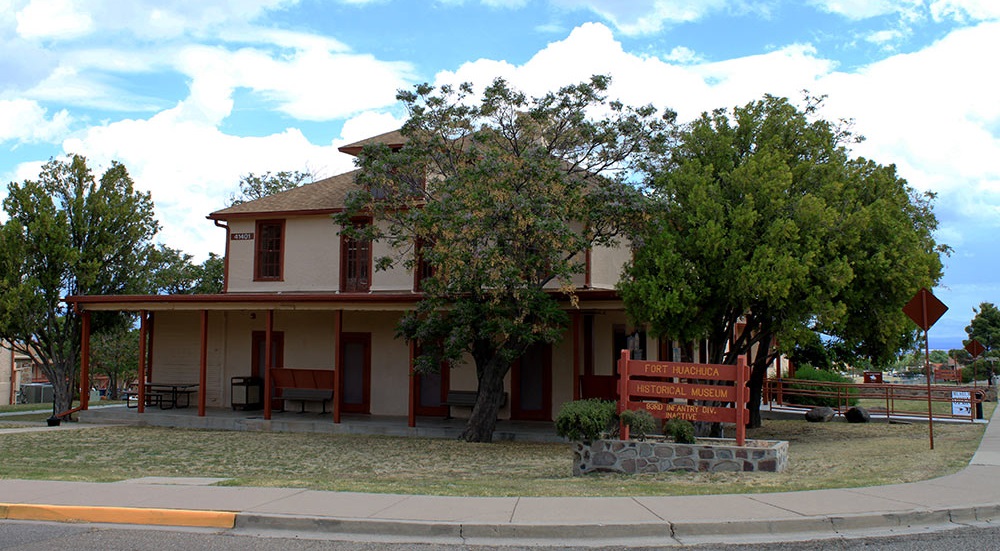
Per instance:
(322,196)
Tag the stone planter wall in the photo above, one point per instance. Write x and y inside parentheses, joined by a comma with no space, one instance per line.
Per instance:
(707,455)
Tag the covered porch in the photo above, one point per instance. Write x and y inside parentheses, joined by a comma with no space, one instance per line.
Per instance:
(203,344)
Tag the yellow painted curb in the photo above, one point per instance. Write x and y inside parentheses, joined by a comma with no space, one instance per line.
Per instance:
(118,515)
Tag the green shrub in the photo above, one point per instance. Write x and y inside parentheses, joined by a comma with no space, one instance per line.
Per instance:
(640,423)
(682,431)
(586,420)
(810,374)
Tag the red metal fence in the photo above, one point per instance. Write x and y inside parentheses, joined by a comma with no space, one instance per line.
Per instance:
(949,402)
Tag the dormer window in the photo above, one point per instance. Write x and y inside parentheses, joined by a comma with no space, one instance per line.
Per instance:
(268,257)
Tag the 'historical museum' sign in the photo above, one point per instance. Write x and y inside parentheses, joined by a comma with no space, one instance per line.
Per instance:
(694,392)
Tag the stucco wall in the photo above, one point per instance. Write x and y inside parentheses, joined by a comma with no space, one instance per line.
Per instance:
(311,259)
(606,265)
(177,352)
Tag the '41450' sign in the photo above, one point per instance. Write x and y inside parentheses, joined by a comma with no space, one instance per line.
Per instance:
(695,392)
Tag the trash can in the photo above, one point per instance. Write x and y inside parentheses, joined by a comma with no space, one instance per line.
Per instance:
(247,392)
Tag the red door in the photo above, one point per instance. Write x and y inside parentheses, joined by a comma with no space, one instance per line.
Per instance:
(356,372)
(431,391)
(531,385)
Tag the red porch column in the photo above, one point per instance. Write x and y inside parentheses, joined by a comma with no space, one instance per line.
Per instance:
(151,332)
(143,328)
(84,361)
(412,406)
(338,394)
(203,371)
(576,355)
(268,330)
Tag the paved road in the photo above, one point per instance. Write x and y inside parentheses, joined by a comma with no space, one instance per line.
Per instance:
(32,536)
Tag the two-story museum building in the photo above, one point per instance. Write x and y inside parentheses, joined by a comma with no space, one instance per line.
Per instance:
(296,288)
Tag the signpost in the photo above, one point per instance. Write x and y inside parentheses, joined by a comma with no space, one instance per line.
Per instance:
(925,309)
(653,386)
(974,349)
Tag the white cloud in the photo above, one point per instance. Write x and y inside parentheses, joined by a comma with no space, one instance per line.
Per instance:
(640,17)
(368,124)
(961,10)
(912,10)
(689,89)
(191,167)
(683,55)
(55,19)
(884,37)
(864,9)
(24,120)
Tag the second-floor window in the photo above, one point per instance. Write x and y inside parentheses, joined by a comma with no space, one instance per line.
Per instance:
(423,268)
(355,263)
(269,260)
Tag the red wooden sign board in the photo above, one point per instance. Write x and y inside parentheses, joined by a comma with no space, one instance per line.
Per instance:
(652,386)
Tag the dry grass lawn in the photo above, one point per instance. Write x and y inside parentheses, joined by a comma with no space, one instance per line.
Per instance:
(826,455)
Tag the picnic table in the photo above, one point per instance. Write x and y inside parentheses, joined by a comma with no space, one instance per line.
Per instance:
(165,395)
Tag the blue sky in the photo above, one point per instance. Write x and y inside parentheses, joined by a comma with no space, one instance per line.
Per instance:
(191,94)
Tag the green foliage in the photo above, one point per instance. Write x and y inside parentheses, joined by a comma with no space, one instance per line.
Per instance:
(253,186)
(985,328)
(680,430)
(585,420)
(938,357)
(640,423)
(849,396)
(763,220)
(69,234)
(504,194)
(115,353)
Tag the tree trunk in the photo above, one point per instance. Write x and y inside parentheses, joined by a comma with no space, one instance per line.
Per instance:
(483,420)
(60,375)
(756,386)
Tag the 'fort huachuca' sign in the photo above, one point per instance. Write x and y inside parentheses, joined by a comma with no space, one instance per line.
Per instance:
(694,392)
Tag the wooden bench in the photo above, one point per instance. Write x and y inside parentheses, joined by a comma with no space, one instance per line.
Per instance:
(303,385)
(464,398)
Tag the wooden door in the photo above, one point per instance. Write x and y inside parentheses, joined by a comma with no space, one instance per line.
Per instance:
(355,362)
(431,391)
(531,385)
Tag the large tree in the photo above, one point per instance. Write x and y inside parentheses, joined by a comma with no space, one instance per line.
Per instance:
(256,186)
(985,328)
(68,234)
(768,230)
(172,272)
(496,201)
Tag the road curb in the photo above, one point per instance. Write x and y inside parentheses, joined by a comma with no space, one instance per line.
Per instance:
(118,515)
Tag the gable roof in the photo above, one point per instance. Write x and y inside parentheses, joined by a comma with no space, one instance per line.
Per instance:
(394,140)
(320,197)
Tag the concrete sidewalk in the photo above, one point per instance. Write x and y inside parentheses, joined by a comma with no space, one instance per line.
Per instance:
(970,497)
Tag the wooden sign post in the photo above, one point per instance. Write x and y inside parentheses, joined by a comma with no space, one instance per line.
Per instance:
(654,387)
